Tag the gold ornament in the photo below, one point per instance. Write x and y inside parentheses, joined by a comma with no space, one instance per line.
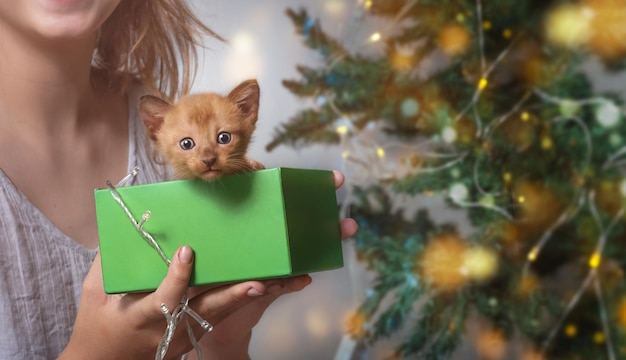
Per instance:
(355,325)
(402,58)
(491,345)
(608,35)
(540,207)
(479,263)
(453,39)
(441,262)
(569,25)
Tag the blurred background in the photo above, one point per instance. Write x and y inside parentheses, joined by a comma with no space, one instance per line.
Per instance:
(502,120)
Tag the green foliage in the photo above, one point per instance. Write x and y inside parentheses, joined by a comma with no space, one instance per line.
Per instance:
(510,132)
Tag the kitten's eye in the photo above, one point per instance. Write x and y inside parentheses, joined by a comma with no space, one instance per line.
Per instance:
(224,138)
(187,143)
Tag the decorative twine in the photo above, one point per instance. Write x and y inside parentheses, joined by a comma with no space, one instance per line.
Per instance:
(181,311)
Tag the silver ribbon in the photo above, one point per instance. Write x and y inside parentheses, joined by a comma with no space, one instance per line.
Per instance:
(181,311)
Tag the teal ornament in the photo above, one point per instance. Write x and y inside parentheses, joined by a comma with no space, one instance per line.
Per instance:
(409,107)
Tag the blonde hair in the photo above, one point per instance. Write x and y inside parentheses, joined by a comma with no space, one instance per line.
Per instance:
(154,41)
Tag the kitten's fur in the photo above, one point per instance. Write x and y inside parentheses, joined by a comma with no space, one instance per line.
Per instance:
(204,135)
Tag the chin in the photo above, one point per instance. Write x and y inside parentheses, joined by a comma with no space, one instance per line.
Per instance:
(210,175)
(70,19)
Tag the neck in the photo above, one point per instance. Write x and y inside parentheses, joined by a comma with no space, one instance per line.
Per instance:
(44,84)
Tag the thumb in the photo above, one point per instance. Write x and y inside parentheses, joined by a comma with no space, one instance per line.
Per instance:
(93,287)
(176,282)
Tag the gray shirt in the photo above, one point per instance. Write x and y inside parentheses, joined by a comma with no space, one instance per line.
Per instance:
(42,269)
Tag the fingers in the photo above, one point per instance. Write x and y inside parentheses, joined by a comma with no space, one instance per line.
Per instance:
(348,228)
(339,178)
(217,304)
(255,165)
(296,283)
(175,283)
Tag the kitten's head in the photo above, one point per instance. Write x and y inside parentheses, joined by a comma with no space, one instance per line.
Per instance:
(204,135)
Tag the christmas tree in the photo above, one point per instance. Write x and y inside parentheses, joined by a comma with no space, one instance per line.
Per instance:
(483,103)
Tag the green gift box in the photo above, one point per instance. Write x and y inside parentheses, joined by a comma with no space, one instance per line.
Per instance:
(257,225)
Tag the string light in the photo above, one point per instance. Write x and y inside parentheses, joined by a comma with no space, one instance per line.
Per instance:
(525,116)
(598,337)
(594,260)
(145,217)
(342,130)
(546,143)
(375,37)
(532,254)
(482,84)
(380,152)
(571,330)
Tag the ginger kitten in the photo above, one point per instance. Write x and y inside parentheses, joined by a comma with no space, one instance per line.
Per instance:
(206,135)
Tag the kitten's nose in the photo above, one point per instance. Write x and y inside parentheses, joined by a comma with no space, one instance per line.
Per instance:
(209,162)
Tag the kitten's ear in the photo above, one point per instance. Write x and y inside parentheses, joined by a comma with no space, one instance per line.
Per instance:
(246,96)
(152,110)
